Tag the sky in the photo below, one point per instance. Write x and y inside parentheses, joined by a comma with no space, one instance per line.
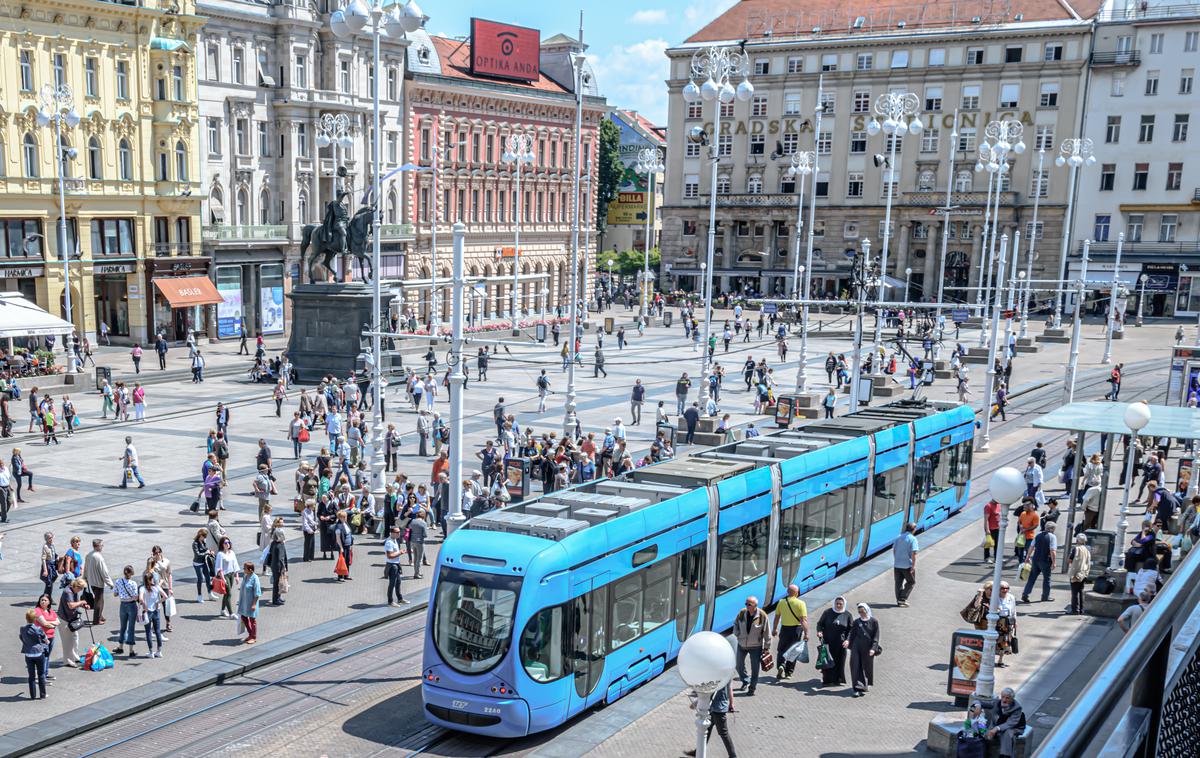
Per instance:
(626,39)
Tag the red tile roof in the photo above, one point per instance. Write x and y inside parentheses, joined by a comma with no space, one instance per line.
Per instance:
(789,18)
(455,56)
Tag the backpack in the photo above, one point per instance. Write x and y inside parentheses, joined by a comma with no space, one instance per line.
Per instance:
(221,449)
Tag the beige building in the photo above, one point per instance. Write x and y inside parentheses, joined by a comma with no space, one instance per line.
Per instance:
(1019,60)
(131,178)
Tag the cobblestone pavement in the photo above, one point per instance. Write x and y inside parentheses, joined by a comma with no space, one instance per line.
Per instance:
(76,494)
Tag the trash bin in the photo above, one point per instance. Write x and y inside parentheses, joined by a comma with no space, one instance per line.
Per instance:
(540,330)
(609,322)
(666,430)
(666,318)
(103,374)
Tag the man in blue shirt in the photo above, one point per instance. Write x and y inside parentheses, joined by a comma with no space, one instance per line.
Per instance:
(904,564)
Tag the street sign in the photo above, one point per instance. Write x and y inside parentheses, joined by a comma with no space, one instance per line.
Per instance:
(769,308)
(959,315)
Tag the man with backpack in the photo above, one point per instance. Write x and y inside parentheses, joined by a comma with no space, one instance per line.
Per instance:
(543,388)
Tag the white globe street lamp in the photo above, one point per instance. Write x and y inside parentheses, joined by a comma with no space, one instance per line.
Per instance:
(1137,415)
(715,66)
(706,664)
(518,152)
(1074,152)
(650,164)
(1000,139)
(1006,487)
(58,108)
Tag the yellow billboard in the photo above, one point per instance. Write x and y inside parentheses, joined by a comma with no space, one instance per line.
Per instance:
(629,209)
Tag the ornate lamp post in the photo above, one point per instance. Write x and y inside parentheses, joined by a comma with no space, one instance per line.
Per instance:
(58,108)
(991,359)
(649,163)
(706,664)
(1000,139)
(1141,298)
(578,61)
(1111,322)
(899,112)
(1076,326)
(1006,486)
(518,152)
(1074,152)
(716,67)
(1137,415)
(865,275)
(803,162)
(391,19)
(907,278)
(1032,238)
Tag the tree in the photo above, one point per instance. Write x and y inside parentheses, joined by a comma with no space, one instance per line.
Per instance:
(610,168)
(627,262)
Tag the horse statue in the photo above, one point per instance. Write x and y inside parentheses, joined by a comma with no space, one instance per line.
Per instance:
(325,246)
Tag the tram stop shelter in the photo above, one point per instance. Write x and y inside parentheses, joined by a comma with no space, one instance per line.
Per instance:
(1107,420)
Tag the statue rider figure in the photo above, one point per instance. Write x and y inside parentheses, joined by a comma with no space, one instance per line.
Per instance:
(334,229)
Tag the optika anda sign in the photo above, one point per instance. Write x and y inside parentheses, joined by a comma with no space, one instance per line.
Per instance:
(504,51)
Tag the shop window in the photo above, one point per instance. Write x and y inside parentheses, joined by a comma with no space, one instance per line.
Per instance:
(112,236)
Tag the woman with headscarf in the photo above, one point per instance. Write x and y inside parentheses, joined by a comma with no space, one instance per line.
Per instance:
(833,629)
(1006,624)
(863,644)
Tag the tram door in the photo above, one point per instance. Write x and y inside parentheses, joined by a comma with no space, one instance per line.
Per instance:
(589,611)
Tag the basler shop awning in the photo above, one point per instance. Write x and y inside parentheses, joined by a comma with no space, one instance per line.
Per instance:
(185,291)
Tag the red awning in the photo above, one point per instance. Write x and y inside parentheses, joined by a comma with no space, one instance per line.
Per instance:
(184,291)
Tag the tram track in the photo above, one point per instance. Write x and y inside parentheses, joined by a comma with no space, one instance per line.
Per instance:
(285,693)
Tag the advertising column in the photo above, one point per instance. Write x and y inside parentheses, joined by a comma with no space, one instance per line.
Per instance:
(270,298)
(229,310)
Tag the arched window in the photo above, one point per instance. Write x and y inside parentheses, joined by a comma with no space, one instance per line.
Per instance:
(125,161)
(68,170)
(964,181)
(264,207)
(754,185)
(29,154)
(302,208)
(393,208)
(722,185)
(181,161)
(243,207)
(216,205)
(95,164)
(925,180)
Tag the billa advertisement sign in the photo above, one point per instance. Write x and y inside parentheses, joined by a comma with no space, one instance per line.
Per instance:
(504,51)
(629,209)
(966,658)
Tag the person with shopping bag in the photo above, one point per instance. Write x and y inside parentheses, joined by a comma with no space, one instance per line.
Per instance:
(833,629)
(343,537)
(248,596)
(791,628)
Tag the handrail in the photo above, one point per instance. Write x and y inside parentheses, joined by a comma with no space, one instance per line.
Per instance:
(1126,665)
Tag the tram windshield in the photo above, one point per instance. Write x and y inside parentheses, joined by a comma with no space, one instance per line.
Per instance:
(473,618)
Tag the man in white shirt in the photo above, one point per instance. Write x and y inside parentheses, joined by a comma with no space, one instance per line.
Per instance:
(129,462)
(391,550)
(618,429)
(5,480)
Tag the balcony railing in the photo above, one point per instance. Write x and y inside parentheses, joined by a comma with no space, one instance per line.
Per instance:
(393,231)
(1146,11)
(938,199)
(71,184)
(171,249)
(1116,58)
(1140,248)
(757,200)
(221,232)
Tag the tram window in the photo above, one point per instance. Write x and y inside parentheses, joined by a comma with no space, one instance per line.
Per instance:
(791,540)
(542,644)
(689,590)
(626,610)
(814,523)
(889,494)
(743,555)
(960,463)
(925,477)
(656,607)
(834,514)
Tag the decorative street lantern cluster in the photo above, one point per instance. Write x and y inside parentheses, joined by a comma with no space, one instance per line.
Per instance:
(649,164)
(1000,139)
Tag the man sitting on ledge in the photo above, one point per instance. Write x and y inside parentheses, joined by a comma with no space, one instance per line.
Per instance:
(1008,722)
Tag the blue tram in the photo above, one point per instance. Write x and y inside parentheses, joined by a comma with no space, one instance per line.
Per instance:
(547,608)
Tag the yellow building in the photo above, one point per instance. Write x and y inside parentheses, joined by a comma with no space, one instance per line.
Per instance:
(130,166)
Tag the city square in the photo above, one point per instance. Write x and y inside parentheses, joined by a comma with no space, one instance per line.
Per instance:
(371,390)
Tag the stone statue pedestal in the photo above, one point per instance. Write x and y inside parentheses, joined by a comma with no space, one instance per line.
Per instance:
(328,321)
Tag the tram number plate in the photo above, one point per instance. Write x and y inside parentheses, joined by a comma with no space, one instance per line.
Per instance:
(459,704)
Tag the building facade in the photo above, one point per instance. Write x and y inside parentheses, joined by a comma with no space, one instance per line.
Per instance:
(626,228)
(129,168)
(271,77)
(458,124)
(1141,104)
(1014,61)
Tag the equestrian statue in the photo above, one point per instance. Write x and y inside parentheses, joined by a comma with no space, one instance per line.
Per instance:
(339,234)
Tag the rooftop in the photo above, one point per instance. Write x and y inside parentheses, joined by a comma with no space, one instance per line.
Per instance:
(750,19)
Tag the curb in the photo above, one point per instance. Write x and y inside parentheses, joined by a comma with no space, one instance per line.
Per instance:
(66,726)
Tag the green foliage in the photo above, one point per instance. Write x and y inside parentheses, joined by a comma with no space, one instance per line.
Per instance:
(627,262)
(45,357)
(609,170)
